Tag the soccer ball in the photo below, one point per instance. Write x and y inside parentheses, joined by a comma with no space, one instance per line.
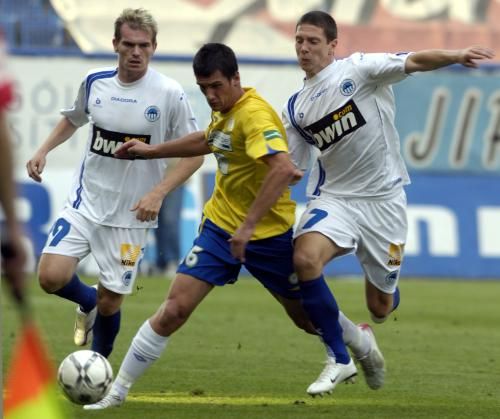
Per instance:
(85,377)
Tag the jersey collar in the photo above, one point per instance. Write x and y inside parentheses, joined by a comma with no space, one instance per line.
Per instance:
(322,75)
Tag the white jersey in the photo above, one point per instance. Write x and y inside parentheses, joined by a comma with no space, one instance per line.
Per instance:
(152,109)
(345,116)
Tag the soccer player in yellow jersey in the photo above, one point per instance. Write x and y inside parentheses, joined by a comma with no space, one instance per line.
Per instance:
(247,221)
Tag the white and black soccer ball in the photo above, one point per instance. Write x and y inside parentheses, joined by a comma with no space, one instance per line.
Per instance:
(85,376)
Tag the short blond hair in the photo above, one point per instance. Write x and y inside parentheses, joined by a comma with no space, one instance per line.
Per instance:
(136,19)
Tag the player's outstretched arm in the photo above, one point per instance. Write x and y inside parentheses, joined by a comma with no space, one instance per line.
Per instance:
(190,145)
(432,59)
(61,132)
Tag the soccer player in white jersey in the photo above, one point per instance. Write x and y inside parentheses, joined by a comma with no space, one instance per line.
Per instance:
(113,202)
(344,116)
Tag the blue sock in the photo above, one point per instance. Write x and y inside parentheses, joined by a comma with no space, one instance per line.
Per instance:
(80,293)
(105,330)
(395,299)
(323,311)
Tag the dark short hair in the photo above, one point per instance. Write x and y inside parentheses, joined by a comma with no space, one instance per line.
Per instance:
(321,20)
(212,57)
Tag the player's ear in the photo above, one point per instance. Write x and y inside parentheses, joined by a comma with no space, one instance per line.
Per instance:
(115,44)
(333,45)
(236,78)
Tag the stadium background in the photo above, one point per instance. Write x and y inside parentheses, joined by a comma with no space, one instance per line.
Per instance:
(449,120)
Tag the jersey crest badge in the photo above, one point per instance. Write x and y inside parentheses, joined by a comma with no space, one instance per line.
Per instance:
(347,87)
(152,113)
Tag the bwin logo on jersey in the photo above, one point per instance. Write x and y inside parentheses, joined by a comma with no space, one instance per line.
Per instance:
(152,113)
(336,125)
(106,142)
(347,87)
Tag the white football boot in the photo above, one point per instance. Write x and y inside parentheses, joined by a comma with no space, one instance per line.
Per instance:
(372,363)
(84,323)
(332,374)
(111,400)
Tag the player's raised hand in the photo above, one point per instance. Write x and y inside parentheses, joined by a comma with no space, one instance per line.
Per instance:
(131,149)
(35,166)
(470,55)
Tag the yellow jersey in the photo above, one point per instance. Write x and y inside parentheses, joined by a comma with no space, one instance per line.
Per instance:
(238,139)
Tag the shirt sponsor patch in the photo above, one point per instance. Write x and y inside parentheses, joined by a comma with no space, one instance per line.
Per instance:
(106,142)
(220,140)
(129,253)
(336,125)
(395,254)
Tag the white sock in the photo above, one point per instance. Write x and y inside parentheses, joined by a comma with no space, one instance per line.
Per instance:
(146,347)
(354,338)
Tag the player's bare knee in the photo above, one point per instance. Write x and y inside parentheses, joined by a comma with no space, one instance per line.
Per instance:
(304,262)
(379,310)
(108,302)
(51,281)
(173,315)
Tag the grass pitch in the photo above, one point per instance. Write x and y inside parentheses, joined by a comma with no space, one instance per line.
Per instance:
(240,357)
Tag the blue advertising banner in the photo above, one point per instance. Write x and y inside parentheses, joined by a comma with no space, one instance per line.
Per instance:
(453,224)
(453,227)
(449,120)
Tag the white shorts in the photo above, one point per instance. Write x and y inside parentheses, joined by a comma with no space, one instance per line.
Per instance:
(375,230)
(117,251)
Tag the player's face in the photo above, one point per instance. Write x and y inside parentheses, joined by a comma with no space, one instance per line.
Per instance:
(313,50)
(221,93)
(135,49)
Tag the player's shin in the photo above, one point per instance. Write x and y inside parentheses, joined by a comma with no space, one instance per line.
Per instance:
(105,330)
(146,347)
(78,292)
(322,309)
(357,341)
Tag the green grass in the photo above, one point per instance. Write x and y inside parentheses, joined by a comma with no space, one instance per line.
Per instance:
(240,357)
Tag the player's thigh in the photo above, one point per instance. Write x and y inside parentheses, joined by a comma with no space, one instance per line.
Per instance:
(184,295)
(384,229)
(188,291)
(55,271)
(326,229)
(67,243)
(117,252)
(270,261)
(209,258)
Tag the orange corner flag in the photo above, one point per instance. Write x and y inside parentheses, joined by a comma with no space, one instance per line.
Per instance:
(31,384)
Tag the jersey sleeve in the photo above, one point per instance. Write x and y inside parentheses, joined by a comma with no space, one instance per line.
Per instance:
(183,121)
(264,134)
(301,151)
(381,67)
(77,114)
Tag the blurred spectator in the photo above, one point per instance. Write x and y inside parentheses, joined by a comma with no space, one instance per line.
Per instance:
(12,252)
(167,234)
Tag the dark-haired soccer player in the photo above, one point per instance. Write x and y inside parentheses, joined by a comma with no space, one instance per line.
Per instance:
(345,114)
